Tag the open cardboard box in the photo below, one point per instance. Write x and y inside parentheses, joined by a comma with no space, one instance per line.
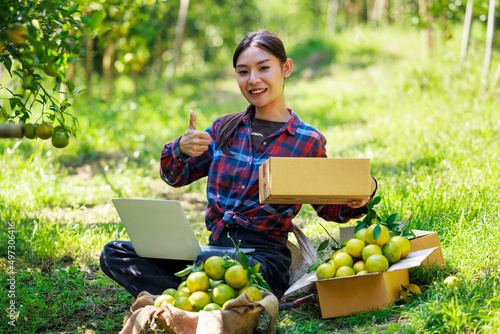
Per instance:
(314,180)
(348,295)
(353,294)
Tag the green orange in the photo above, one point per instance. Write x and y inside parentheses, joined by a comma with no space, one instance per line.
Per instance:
(44,130)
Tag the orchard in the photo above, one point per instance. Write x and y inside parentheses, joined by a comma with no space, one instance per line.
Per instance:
(38,42)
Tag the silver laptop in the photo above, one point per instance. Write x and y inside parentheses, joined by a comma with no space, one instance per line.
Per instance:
(160,229)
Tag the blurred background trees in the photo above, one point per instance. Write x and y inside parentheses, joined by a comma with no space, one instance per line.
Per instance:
(73,45)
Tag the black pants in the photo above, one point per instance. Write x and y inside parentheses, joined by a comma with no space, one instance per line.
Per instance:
(121,263)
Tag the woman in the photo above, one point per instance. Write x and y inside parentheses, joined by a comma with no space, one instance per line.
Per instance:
(229,154)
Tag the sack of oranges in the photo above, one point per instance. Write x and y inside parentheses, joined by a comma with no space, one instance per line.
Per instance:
(221,295)
(240,315)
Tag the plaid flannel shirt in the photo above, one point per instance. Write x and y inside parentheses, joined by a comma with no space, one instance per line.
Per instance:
(233,181)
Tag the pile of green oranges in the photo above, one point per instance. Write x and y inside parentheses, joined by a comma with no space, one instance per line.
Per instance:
(365,254)
(211,287)
(45,130)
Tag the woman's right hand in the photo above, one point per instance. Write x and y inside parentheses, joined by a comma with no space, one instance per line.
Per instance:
(193,143)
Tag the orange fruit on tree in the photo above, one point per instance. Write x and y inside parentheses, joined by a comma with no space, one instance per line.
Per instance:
(391,252)
(370,250)
(403,244)
(222,293)
(30,131)
(343,259)
(359,266)
(44,130)
(212,307)
(376,264)
(164,298)
(58,128)
(214,267)
(325,271)
(183,303)
(199,299)
(354,247)
(252,292)
(236,276)
(17,33)
(383,237)
(344,271)
(60,139)
(198,281)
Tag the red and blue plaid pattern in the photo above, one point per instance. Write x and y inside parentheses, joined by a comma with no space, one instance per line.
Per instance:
(233,181)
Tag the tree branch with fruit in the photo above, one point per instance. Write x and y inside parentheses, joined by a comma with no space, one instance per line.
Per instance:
(38,40)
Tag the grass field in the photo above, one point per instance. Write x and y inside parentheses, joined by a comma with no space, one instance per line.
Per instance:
(430,130)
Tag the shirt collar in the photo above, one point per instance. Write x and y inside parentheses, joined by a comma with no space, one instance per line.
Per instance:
(291,125)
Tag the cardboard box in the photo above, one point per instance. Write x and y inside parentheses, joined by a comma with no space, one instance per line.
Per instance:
(314,180)
(354,294)
(349,295)
(424,240)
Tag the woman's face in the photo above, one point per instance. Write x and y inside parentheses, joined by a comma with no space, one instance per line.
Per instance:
(260,76)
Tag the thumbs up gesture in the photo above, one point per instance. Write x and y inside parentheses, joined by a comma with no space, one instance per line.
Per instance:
(193,143)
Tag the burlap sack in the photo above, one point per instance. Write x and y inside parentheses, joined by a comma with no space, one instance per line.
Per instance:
(240,316)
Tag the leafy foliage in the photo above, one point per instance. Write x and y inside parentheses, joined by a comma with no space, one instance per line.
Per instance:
(39,40)
(372,217)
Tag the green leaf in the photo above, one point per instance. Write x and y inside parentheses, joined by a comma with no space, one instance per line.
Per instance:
(86,21)
(72,9)
(229,264)
(323,245)
(313,267)
(7,62)
(375,201)
(392,218)
(184,272)
(376,231)
(361,225)
(96,21)
(14,101)
(244,260)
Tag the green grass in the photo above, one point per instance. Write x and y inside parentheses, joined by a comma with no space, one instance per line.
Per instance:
(432,135)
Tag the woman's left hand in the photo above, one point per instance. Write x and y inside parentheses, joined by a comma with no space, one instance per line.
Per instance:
(355,204)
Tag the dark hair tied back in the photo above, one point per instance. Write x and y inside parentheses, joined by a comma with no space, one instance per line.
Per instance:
(268,42)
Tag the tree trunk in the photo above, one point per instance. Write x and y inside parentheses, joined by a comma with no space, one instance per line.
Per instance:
(179,31)
(427,20)
(108,67)
(466,31)
(496,77)
(331,17)
(89,65)
(359,11)
(379,10)
(370,18)
(489,42)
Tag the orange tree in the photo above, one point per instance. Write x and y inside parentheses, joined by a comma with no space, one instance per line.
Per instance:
(38,39)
